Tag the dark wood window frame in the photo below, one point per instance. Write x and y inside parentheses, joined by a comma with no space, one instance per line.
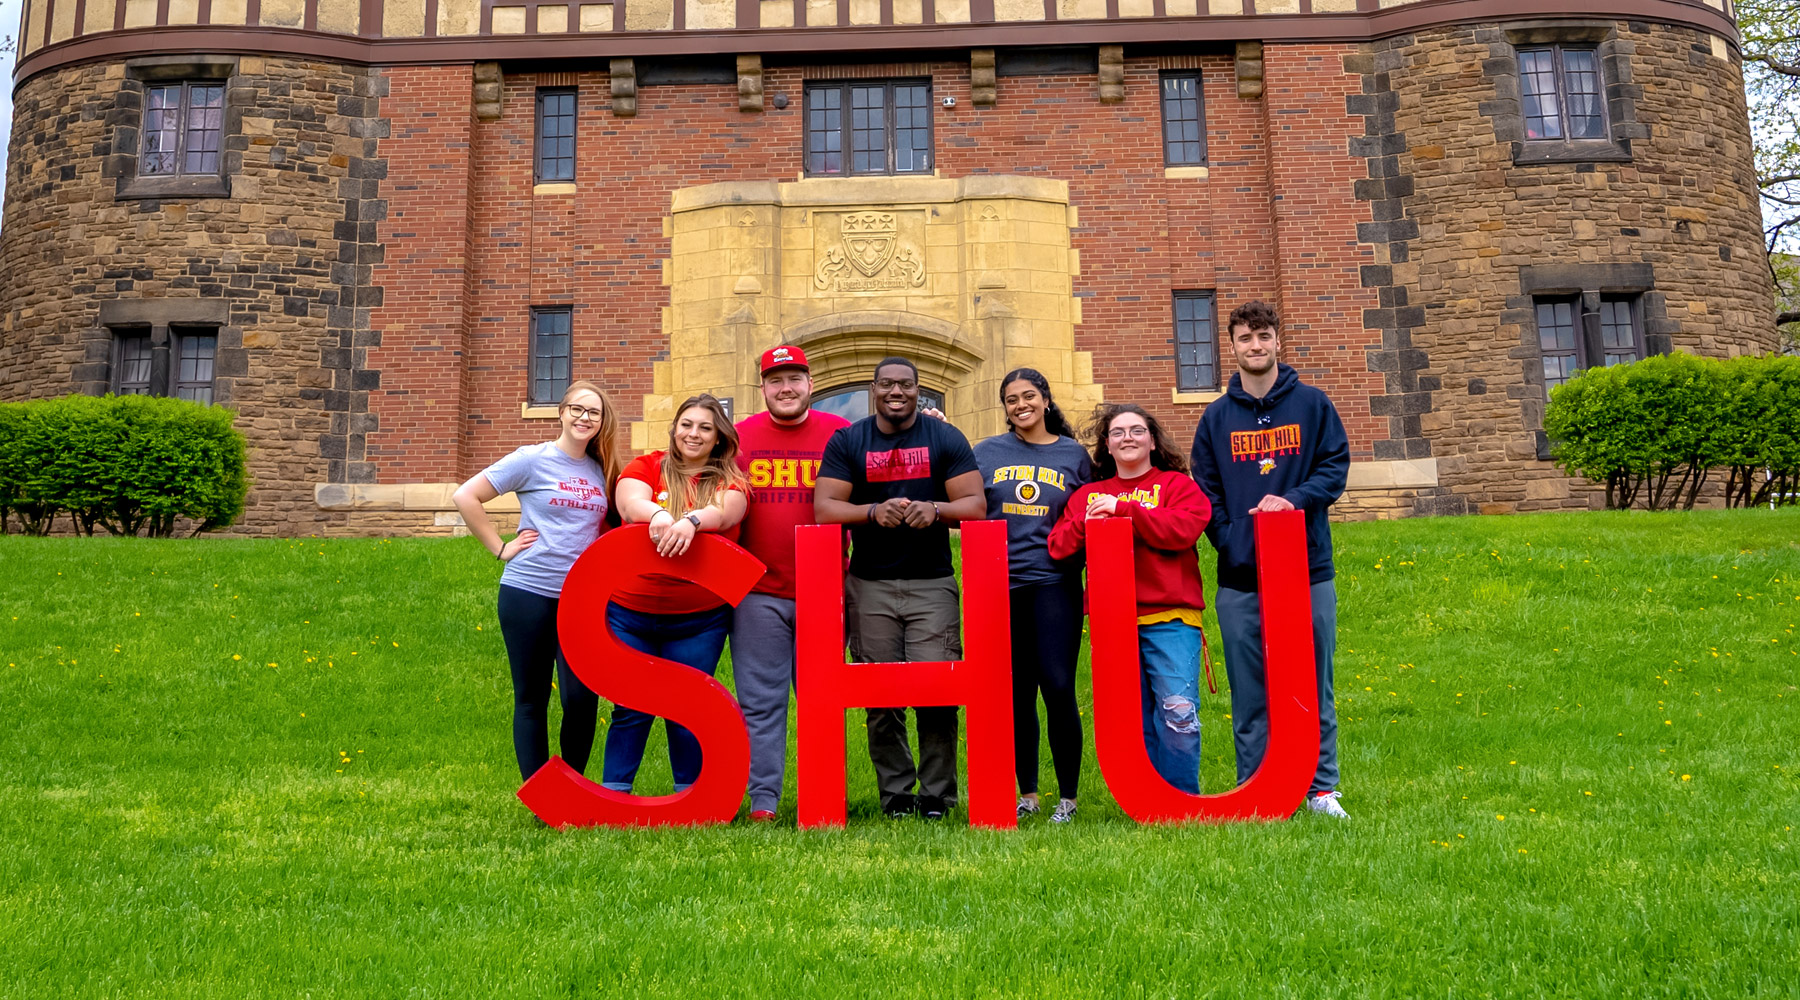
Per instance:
(184,134)
(1561,90)
(1190,375)
(129,136)
(846,132)
(536,392)
(1613,53)
(555,175)
(175,360)
(1175,151)
(1589,286)
(1593,320)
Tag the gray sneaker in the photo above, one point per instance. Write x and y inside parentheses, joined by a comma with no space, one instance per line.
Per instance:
(1065,811)
(1027,807)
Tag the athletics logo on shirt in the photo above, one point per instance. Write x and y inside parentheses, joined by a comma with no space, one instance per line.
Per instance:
(1254,446)
(579,486)
(898,464)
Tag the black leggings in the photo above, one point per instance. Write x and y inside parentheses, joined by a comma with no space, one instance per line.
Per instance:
(528,624)
(1046,641)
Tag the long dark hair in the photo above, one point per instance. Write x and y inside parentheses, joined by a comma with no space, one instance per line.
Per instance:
(1162,454)
(717,474)
(1054,422)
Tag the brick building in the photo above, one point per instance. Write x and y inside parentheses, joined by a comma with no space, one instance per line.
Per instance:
(388,231)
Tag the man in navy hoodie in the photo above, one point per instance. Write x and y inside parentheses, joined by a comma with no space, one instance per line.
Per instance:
(1271,443)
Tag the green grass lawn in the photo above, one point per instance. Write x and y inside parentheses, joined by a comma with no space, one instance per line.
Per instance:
(238,769)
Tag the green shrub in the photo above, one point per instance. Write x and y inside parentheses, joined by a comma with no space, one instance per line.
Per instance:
(12,427)
(185,460)
(1653,430)
(1762,432)
(1592,420)
(129,464)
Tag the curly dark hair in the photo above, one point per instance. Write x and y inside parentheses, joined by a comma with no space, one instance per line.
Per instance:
(1256,314)
(1163,455)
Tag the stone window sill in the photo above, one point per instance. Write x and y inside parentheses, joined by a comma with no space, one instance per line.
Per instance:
(553,188)
(1202,396)
(536,411)
(1580,151)
(174,186)
(1173,173)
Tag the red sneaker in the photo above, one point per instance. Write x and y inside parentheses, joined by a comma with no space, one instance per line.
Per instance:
(762,816)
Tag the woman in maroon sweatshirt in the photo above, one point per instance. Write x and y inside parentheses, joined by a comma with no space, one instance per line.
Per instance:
(1139,476)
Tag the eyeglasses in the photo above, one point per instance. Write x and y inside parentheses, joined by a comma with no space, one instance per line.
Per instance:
(889,385)
(583,413)
(1134,431)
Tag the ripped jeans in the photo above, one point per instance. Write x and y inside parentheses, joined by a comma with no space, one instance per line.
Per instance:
(1170,652)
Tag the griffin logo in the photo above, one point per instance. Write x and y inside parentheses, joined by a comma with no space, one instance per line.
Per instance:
(1266,466)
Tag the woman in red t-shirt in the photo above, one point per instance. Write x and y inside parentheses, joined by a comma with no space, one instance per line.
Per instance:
(692,486)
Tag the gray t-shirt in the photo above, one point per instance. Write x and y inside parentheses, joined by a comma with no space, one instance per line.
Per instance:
(563,499)
(1027,486)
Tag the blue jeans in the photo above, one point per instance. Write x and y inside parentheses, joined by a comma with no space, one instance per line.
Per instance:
(1170,652)
(695,640)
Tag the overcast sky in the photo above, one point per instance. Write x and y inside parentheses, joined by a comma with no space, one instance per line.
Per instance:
(9,28)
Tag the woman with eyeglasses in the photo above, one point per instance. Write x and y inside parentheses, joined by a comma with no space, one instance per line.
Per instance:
(692,486)
(1029,473)
(1138,475)
(564,487)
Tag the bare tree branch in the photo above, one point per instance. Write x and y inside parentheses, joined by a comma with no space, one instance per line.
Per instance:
(1784,68)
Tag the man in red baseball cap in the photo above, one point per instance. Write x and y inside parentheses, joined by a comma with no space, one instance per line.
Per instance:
(780,450)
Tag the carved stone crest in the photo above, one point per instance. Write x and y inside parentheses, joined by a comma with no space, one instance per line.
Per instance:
(871,255)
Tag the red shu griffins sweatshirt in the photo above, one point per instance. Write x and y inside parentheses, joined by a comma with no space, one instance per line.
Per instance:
(1168,514)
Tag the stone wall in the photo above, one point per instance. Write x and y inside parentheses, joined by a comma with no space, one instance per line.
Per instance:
(276,253)
(1476,225)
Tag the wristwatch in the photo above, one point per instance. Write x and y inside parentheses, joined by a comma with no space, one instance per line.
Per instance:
(693,517)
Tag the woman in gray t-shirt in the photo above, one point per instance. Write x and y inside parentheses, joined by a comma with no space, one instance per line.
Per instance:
(1029,474)
(563,487)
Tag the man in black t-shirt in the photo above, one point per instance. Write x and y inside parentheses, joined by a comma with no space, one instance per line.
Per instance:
(898,481)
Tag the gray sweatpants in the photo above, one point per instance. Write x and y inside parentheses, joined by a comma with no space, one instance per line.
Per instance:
(762,668)
(1240,624)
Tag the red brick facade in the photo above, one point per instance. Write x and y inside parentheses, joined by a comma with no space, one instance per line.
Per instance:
(470,249)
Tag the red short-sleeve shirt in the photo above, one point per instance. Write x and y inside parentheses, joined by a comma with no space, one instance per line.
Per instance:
(665,595)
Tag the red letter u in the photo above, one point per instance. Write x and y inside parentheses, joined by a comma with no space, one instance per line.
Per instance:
(1279,786)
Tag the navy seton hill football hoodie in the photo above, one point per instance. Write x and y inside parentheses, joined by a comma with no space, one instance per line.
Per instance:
(1289,443)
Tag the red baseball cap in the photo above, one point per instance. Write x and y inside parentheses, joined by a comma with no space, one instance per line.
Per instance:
(784,357)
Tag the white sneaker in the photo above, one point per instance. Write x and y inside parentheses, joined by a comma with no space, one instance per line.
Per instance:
(1327,803)
(1065,811)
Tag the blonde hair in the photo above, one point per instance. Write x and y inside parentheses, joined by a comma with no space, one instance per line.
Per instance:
(603,447)
(720,471)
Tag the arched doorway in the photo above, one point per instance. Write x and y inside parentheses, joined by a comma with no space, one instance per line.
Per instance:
(852,401)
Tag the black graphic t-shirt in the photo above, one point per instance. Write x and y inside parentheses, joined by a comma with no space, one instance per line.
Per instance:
(915,464)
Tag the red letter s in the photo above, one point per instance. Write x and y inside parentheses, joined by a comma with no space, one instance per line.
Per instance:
(562,797)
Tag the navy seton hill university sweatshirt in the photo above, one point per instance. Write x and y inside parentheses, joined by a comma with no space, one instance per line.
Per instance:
(1289,443)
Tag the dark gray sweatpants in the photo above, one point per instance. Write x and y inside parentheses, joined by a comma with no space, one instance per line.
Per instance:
(1240,625)
(898,621)
(762,670)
